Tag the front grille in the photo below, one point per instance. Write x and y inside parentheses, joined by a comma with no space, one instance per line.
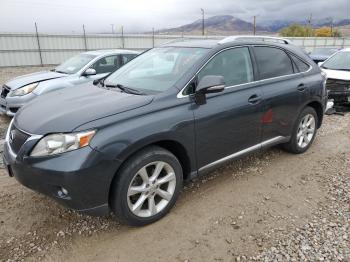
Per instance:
(338,85)
(5,91)
(17,138)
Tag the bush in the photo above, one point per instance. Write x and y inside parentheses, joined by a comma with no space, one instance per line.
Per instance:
(296,30)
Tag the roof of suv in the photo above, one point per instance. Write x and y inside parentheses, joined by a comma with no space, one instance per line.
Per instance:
(111,51)
(211,43)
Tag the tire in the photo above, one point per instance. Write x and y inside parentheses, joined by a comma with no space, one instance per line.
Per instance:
(136,183)
(294,146)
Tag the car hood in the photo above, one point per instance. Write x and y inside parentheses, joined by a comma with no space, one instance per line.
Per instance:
(319,57)
(65,110)
(32,78)
(337,74)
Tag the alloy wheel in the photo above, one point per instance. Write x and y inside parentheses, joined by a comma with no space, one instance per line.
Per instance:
(151,189)
(306,130)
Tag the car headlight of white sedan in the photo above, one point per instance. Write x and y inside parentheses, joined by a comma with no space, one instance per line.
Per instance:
(60,143)
(25,89)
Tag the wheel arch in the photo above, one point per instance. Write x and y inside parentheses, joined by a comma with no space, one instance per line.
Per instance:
(319,110)
(173,146)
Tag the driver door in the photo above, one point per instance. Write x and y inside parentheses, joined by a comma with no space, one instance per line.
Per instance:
(230,122)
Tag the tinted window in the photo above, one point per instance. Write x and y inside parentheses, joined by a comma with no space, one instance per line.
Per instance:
(300,65)
(107,64)
(273,62)
(233,64)
(127,58)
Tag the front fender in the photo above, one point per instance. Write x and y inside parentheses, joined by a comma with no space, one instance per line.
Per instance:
(119,138)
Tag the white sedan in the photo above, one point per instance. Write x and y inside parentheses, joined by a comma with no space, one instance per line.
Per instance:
(337,68)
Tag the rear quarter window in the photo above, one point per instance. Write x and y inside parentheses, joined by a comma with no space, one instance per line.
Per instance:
(301,66)
(272,62)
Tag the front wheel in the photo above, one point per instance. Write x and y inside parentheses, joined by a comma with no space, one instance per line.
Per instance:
(147,186)
(304,132)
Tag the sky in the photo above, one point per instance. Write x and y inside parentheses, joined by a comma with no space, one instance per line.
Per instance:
(68,16)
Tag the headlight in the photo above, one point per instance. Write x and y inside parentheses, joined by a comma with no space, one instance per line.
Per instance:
(60,143)
(25,90)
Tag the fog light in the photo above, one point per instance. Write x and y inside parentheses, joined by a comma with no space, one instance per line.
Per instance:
(62,192)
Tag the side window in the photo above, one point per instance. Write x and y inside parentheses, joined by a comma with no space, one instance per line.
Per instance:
(107,64)
(233,64)
(272,62)
(301,65)
(126,58)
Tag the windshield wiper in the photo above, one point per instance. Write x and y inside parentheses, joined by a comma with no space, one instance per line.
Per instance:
(58,71)
(343,69)
(125,89)
(336,69)
(99,81)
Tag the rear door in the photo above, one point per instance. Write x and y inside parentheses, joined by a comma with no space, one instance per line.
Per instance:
(283,90)
(229,122)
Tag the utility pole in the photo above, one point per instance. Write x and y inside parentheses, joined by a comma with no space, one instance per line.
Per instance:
(202,21)
(39,48)
(310,25)
(85,43)
(332,25)
(112,25)
(254,25)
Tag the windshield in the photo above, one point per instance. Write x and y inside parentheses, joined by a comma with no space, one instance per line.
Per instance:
(156,70)
(340,61)
(324,51)
(74,64)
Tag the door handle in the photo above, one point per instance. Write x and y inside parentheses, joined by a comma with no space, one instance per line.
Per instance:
(254,99)
(301,87)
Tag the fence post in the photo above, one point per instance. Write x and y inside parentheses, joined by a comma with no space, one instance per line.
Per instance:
(85,43)
(39,48)
(343,44)
(152,36)
(123,44)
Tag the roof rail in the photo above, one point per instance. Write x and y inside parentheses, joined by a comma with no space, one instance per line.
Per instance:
(254,37)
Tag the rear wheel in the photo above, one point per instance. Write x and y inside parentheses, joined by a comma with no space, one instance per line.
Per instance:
(304,132)
(147,186)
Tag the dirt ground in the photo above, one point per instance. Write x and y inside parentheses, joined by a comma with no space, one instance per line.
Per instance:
(271,206)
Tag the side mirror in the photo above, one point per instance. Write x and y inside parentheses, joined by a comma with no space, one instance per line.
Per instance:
(89,72)
(209,84)
(320,64)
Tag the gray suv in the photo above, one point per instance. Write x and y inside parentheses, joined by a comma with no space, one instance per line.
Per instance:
(79,69)
(127,143)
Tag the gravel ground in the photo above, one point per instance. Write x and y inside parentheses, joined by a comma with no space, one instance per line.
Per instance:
(271,206)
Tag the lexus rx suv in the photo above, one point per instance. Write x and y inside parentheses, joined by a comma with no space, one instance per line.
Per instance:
(127,143)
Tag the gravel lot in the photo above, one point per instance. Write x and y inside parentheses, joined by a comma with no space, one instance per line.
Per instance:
(271,206)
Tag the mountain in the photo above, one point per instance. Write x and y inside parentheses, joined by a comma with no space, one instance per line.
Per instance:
(229,25)
(276,25)
(215,25)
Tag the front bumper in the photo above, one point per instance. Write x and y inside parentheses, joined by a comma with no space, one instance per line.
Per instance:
(10,105)
(84,174)
(339,96)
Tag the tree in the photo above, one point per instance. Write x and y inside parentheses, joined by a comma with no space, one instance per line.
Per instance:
(327,32)
(296,30)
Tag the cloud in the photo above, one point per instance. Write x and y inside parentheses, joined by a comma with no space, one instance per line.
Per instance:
(142,15)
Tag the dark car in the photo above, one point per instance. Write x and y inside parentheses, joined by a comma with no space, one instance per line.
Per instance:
(323,53)
(127,144)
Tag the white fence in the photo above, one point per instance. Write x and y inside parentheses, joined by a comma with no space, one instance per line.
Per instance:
(50,49)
